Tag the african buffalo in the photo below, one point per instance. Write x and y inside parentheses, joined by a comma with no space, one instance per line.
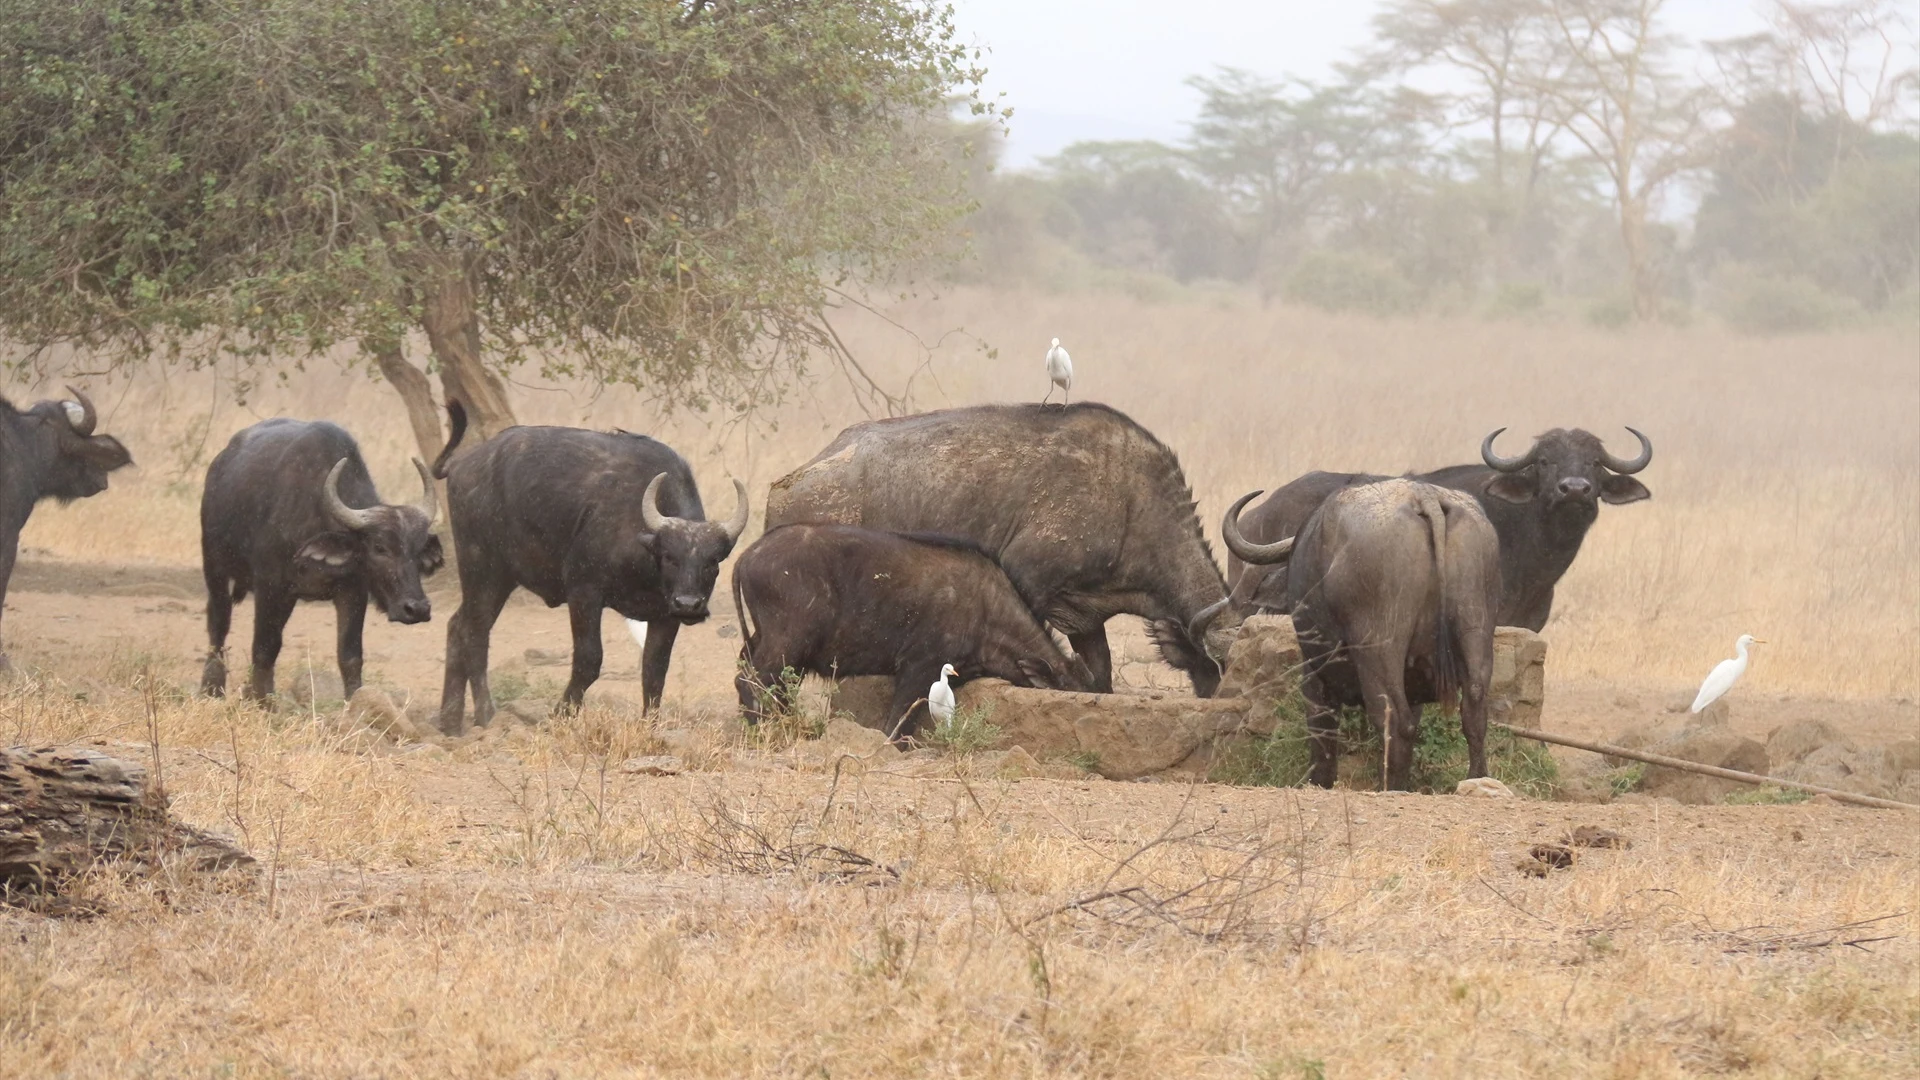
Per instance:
(291,514)
(1541,505)
(840,601)
(48,452)
(1393,587)
(582,518)
(1086,512)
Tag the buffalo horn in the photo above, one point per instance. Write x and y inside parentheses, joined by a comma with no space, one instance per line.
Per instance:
(88,417)
(650,514)
(429,499)
(355,520)
(1245,549)
(1628,468)
(737,524)
(1506,465)
(1197,628)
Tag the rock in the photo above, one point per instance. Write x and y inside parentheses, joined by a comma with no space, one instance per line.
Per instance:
(1483,787)
(866,699)
(653,765)
(1794,741)
(1707,745)
(843,736)
(374,709)
(1518,691)
(548,657)
(526,710)
(1903,757)
(1841,766)
(1122,736)
(1263,664)
(308,688)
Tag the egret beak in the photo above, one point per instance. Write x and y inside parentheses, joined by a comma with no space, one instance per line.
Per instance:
(1759,641)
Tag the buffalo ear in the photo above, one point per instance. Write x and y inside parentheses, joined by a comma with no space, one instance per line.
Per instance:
(1616,489)
(332,553)
(1513,487)
(432,557)
(103,452)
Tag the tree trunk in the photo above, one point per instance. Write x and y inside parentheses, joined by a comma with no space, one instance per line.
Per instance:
(1641,280)
(453,329)
(415,391)
(64,811)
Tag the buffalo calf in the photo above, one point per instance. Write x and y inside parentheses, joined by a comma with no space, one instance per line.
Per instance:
(840,601)
(290,513)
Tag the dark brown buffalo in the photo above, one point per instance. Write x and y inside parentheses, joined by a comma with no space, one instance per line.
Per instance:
(290,513)
(840,601)
(1541,505)
(1393,588)
(583,518)
(1088,514)
(48,452)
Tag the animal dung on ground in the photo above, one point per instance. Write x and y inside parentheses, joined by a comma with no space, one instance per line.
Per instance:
(1594,836)
(1557,856)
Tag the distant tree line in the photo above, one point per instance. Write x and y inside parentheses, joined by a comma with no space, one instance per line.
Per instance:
(1576,149)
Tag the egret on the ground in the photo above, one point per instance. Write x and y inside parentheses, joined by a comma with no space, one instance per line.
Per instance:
(639,631)
(940,697)
(1059,372)
(1725,673)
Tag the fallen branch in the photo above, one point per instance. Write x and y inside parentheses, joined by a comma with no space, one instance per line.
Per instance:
(1740,941)
(1708,770)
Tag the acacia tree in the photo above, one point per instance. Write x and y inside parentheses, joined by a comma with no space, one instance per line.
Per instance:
(658,192)
(1638,120)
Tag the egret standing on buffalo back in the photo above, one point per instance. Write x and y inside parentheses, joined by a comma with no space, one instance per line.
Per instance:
(1059,373)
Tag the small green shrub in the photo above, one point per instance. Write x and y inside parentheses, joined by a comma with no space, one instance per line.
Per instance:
(1337,281)
(787,721)
(1626,778)
(1439,758)
(1084,760)
(1610,313)
(968,731)
(1516,299)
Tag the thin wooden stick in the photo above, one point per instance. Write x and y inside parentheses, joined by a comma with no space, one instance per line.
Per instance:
(1708,770)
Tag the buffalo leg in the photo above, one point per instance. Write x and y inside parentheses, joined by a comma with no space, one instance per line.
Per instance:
(469,634)
(1091,647)
(271,610)
(1478,656)
(9,551)
(1382,675)
(1323,732)
(349,625)
(213,679)
(584,615)
(653,662)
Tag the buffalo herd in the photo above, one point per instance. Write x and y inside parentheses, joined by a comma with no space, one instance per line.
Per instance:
(966,536)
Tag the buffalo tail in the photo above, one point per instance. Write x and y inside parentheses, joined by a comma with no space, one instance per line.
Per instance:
(1449,668)
(456,416)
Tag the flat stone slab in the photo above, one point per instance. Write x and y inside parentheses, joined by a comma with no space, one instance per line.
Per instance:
(1119,736)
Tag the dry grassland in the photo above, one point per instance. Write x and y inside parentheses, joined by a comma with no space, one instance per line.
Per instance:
(521,905)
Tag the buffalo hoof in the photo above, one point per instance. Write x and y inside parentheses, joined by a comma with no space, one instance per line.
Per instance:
(213,679)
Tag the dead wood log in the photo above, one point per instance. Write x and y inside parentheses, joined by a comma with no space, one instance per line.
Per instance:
(66,810)
(1709,770)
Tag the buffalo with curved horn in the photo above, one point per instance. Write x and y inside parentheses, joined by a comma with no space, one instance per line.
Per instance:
(49,451)
(290,513)
(592,520)
(1541,504)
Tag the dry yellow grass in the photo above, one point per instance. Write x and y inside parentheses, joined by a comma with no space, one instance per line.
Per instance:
(1786,473)
(518,905)
(528,909)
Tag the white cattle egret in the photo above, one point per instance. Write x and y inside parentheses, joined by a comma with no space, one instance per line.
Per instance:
(940,697)
(1059,372)
(639,631)
(1725,673)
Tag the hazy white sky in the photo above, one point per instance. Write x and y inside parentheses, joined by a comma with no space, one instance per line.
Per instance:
(1116,70)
